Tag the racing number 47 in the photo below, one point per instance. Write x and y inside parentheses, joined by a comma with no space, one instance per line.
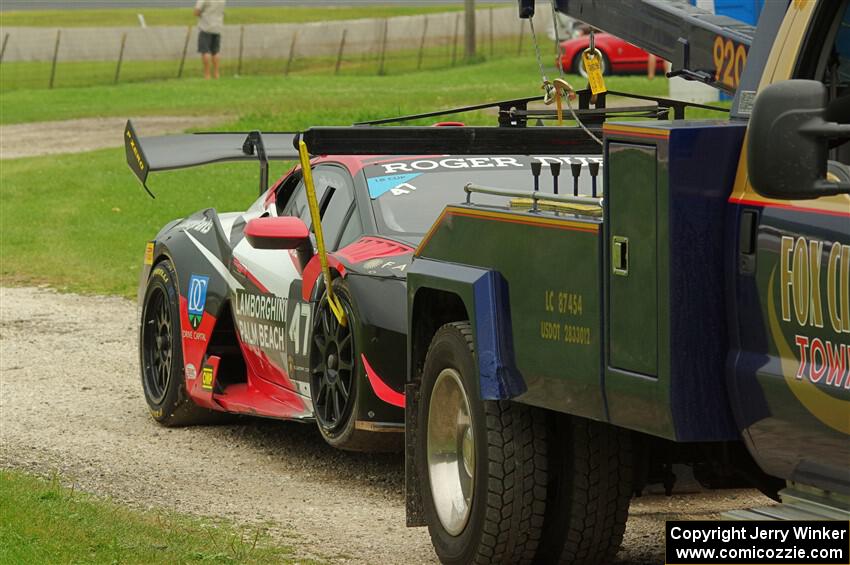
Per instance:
(300,344)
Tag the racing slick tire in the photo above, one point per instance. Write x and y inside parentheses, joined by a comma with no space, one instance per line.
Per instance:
(482,464)
(335,381)
(161,354)
(578,67)
(590,488)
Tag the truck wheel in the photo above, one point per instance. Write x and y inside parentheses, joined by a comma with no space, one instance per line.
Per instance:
(590,487)
(483,463)
(161,354)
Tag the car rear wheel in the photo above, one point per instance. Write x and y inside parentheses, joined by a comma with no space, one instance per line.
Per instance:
(482,463)
(161,354)
(335,379)
(578,66)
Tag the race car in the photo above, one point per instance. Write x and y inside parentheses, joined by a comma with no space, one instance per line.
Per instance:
(236,316)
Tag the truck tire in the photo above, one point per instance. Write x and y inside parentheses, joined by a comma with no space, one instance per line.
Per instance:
(590,488)
(482,463)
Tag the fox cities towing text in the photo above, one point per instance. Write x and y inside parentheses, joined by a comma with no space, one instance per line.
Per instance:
(803,263)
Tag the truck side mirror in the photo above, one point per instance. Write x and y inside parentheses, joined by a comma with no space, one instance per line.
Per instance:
(787,144)
(281,233)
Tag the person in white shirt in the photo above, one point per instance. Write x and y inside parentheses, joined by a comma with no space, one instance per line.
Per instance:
(210,14)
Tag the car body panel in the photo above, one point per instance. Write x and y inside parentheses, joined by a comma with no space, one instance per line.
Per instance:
(623,56)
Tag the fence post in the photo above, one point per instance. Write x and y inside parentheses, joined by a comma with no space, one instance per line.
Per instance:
(241,49)
(339,51)
(521,34)
(3,49)
(55,57)
(120,57)
(291,53)
(470,39)
(491,31)
(384,46)
(454,41)
(422,44)
(185,49)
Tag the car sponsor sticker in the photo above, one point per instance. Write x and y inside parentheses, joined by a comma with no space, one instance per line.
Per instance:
(203,225)
(197,298)
(380,185)
(149,253)
(261,320)
(191,372)
(207,378)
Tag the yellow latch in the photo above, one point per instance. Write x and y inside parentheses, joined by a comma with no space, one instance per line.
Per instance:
(333,301)
(554,91)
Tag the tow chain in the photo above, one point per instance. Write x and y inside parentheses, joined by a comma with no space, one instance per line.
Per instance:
(554,91)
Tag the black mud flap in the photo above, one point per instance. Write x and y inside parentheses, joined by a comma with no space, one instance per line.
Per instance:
(412,498)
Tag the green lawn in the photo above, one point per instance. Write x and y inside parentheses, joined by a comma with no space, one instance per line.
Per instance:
(44,522)
(81,221)
(233,15)
(30,75)
(269,102)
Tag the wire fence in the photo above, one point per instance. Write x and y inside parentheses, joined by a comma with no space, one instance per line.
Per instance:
(35,58)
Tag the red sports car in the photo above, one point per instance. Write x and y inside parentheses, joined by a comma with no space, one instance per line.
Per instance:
(617,55)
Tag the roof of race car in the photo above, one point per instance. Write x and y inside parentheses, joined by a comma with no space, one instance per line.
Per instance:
(356,163)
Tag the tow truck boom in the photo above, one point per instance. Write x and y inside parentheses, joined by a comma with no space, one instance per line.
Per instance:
(700,45)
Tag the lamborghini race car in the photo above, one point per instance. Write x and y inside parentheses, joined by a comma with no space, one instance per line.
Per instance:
(235,314)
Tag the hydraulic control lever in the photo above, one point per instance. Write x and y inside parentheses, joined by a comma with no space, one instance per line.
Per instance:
(555,168)
(593,167)
(536,168)
(576,170)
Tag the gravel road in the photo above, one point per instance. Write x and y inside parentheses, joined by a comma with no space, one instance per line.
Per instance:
(71,401)
(87,134)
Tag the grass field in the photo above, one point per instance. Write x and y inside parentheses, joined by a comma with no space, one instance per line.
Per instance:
(233,16)
(31,75)
(276,102)
(79,222)
(43,522)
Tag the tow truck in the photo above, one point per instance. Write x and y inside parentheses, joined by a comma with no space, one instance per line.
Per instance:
(566,349)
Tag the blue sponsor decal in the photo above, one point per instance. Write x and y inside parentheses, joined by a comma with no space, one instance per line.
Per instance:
(197,298)
(380,185)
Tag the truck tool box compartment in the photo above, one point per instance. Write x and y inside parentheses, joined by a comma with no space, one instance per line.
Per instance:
(666,188)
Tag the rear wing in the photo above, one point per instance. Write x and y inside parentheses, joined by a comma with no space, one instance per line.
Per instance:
(146,155)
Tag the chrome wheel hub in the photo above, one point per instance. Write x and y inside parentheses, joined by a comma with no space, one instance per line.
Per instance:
(451,452)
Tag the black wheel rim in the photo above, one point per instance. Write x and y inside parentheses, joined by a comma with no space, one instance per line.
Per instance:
(332,376)
(158,347)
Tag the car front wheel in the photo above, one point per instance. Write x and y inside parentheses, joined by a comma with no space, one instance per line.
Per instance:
(336,378)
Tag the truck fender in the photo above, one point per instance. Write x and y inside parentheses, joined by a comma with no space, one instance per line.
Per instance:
(486,300)
(440,293)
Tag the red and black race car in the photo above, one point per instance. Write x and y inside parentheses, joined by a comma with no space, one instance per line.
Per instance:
(235,315)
